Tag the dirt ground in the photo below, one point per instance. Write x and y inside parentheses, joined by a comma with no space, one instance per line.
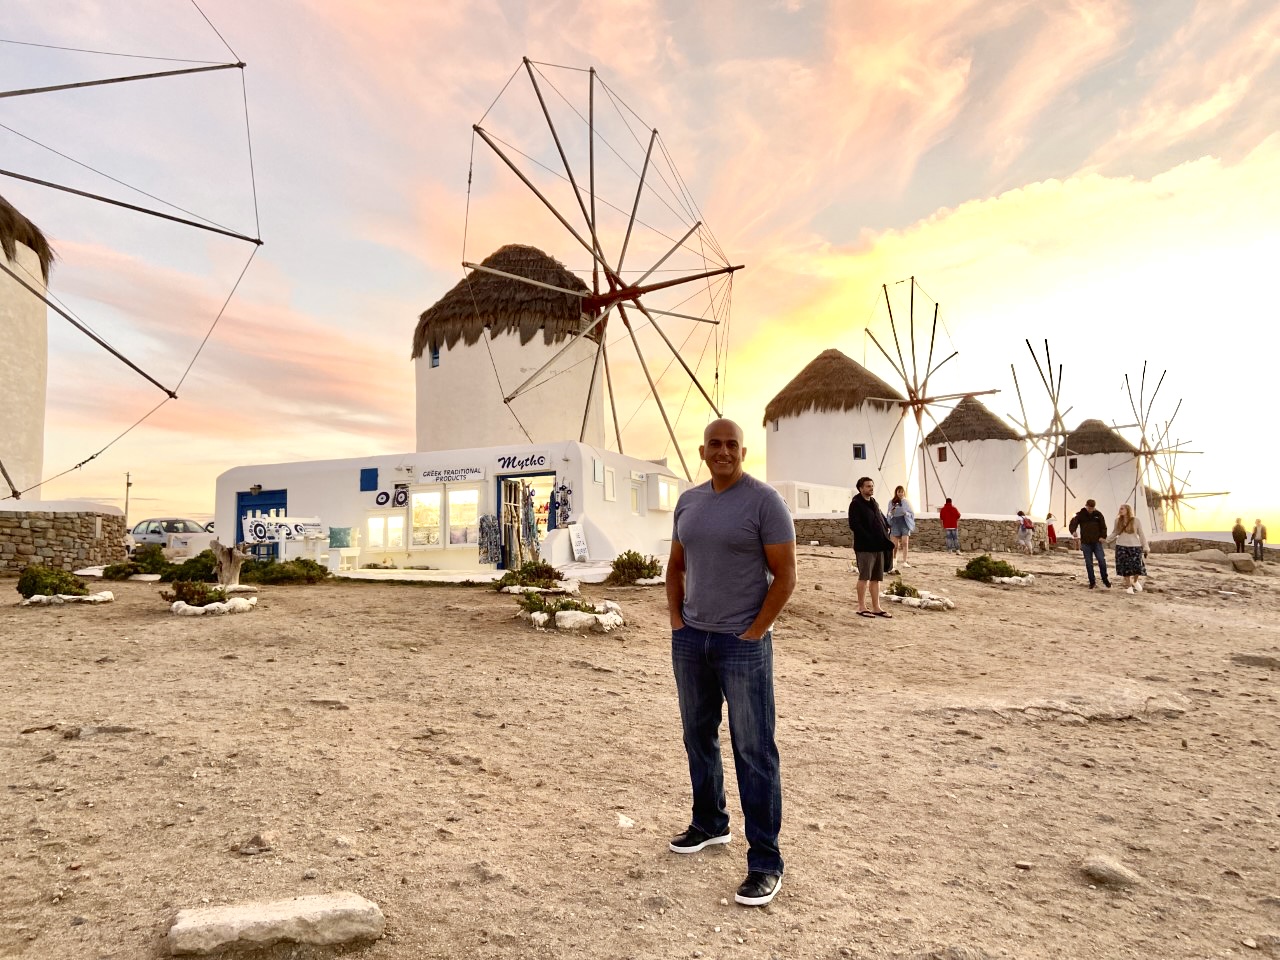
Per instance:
(502,792)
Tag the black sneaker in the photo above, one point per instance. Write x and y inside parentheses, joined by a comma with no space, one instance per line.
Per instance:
(1107,584)
(693,840)
(758,889)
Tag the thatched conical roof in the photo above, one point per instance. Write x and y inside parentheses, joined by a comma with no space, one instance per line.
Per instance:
(831,381)
(16,229)
(483,301)
(1094,436)
(970,420)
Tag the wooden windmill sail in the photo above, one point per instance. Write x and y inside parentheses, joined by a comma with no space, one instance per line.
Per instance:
(1051,438)
(604,186)
(1156,480)
(919,402)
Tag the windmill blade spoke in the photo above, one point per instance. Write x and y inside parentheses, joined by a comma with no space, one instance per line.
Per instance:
(591,390)
(613,404)
(676,353)
(635,206)
(556,356)
(889,443)
(893,328)
(653,387)
(896,369)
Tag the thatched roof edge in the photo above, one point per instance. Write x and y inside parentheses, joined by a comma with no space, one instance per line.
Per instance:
(482,301)
(831,381)
(16,229)
(1094,436)
(970,420)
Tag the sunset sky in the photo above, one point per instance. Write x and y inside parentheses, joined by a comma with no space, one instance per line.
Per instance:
(1105,175)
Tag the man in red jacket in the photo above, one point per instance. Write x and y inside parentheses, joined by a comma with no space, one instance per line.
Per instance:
(950,518)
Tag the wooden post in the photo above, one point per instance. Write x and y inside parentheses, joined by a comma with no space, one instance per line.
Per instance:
(230,560)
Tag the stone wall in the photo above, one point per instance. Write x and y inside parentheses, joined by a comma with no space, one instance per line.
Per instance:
(67,541)
(1191,544)
(976,536)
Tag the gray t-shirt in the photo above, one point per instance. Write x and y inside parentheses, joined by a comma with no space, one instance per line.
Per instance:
(724,535)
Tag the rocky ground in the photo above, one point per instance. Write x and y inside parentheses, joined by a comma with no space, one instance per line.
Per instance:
(502,792)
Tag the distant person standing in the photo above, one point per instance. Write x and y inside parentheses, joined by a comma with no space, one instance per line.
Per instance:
(1131,545)
(902,523)
(870,544)
(1025,529)
(1091,527)
(1259,539)
(950,517)
(731,571)
(1049,529)
(1238,534)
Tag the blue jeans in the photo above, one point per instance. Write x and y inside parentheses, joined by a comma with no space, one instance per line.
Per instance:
(1091,550)
(953,539)
(710,669)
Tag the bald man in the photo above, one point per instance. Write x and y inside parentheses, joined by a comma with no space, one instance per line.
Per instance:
(731,571)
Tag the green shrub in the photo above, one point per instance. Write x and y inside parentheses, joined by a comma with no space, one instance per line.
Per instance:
(985,567)
(629,566)
(150,558)
(302,570)
(48,582)
(551,605)
(534,573)
(195,593)
(120,571)
(900,589)
(203,566)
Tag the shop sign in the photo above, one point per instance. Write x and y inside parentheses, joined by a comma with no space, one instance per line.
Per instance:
(578,538)
(451,474)
(520,462)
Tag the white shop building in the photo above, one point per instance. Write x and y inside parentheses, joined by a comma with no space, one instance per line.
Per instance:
(490,480)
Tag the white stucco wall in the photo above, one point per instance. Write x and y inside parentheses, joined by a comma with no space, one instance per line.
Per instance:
(460,403)
(1107,478)
(805,499)
(980,476)
(24,364)
(818,447)
(330,490)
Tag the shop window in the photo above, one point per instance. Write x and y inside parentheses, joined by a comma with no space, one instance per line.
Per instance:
(859,451)
(942,454)
(668,492)
(802,499)
(610,484)
(426,518)
(386,532)
(635,499)
(464,516)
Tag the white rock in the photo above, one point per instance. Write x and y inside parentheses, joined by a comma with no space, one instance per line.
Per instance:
(322,919)
(40,600)
(233,605)
(1026,581)
(650,581)
(625,822)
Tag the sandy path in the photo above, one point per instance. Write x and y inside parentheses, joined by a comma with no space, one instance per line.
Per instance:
(472,775)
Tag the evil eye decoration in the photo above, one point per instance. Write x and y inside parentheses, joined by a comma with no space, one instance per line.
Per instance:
(401,498)
(382,499)
(258,530)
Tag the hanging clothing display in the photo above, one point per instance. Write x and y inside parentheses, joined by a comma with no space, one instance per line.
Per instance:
(529,519)
(490,539)
(564,500)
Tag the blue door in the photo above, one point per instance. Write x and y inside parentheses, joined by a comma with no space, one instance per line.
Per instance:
(264,501)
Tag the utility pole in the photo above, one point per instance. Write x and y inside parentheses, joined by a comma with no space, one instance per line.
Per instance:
(127,484)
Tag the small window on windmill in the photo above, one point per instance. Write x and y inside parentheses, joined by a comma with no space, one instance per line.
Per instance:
(942,454)
(802,499)
(1072,463)
(859,451)
(774,425)
(435,356)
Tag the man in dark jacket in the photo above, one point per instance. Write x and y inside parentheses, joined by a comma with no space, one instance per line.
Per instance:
(870,542)
(1091,527)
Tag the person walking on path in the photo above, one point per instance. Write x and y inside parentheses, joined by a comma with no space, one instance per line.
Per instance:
(1131,545)
(1025,529)
(1258,539)
(902,523)
(950,518)
(870,544)
(1049,529)
(731,571)
(1238,534)
(1091,527)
